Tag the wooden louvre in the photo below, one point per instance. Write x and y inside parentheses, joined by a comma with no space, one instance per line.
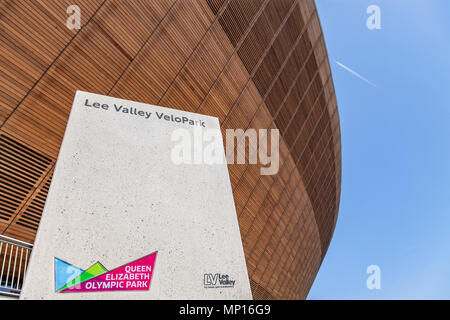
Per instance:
(21,172)
(251,63)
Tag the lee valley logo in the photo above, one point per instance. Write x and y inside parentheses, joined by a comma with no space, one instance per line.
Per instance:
(133,276)
(218,280)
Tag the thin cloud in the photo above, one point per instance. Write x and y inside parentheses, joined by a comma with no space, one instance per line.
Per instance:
(356,74)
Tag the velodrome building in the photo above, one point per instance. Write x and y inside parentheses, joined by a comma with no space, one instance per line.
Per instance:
(251,63)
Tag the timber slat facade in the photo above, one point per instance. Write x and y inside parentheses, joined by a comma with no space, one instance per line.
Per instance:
(251,63)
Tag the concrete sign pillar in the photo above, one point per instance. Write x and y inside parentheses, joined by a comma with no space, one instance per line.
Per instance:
(125,218)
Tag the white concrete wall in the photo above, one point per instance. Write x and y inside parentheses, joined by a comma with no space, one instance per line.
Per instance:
(117,196)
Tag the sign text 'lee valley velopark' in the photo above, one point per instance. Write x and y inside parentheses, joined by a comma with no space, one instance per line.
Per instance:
(144,114)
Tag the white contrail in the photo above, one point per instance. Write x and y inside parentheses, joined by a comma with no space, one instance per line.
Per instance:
(356,74)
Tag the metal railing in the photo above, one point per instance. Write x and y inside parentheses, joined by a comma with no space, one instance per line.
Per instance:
(14,256)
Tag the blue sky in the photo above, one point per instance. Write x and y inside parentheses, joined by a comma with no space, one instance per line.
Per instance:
(395,201)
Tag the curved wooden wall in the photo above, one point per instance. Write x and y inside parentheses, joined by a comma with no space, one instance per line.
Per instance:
(251,63)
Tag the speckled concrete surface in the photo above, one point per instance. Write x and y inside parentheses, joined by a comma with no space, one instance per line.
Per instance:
(117,196)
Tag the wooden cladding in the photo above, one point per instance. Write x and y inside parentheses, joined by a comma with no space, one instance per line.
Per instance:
(27,220)
(21,171)
(251,63)
(283,62)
